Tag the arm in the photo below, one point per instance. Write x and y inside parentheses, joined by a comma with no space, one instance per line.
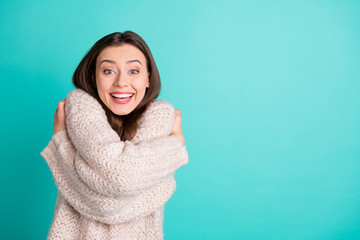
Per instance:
(124,168)
(89,192)
(60,153)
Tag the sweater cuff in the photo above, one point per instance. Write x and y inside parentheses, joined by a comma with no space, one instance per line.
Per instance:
(49,153)
(60,137)
(181,154)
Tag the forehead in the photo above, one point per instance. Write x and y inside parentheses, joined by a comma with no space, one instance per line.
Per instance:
(121,54)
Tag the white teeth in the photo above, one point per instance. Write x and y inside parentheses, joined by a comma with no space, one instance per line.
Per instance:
(122,95)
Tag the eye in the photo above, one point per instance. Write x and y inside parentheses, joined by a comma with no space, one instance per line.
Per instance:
(133,71)
(108,71)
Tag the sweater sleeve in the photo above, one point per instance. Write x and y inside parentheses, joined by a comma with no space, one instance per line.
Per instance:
(60,155)
(113,181)
(113,167)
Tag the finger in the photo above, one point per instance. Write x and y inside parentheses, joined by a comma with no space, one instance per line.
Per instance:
(177,114)
(177,122)
(64,101)
(61,105)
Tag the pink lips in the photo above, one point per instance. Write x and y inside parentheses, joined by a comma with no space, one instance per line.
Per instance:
(121,101)
(117,92)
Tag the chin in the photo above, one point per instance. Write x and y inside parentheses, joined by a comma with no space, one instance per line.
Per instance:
(122,112)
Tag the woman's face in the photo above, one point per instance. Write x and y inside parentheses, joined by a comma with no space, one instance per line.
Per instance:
(121,78)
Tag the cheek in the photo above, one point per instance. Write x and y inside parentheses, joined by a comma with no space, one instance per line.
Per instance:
(141,86)
(102,83)
(97,82)
(101,87)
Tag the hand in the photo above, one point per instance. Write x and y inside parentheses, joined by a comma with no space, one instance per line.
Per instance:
(59,117)
(176,130)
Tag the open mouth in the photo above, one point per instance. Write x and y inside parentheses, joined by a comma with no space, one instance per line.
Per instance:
(121,98)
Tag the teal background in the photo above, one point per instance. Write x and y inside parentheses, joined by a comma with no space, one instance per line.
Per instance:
(270,98)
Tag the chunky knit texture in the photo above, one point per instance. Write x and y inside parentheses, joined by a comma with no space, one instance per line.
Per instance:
(108,188)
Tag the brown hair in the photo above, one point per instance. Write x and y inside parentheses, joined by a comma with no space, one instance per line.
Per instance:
(84,78)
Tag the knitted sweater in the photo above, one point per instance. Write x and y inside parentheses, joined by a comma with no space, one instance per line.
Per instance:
(108,188)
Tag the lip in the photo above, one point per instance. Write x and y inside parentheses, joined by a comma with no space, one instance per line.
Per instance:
(117,101)
(118,92)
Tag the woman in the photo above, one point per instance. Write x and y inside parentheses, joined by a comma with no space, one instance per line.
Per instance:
(115,149)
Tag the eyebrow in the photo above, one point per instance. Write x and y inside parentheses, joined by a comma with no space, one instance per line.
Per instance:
(113,62)
(135,60)
(106,60)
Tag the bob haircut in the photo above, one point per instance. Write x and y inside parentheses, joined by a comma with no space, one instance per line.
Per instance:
(84,78)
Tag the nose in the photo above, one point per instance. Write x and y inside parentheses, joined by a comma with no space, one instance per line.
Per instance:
(121,80)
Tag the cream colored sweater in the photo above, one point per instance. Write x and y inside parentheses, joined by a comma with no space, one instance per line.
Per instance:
(107,188)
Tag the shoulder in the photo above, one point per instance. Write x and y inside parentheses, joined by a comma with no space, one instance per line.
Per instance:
(79,100)
(79,95)
(161,111)
(157,120)
(161,107)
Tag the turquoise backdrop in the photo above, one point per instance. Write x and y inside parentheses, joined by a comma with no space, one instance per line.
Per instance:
(270,98)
